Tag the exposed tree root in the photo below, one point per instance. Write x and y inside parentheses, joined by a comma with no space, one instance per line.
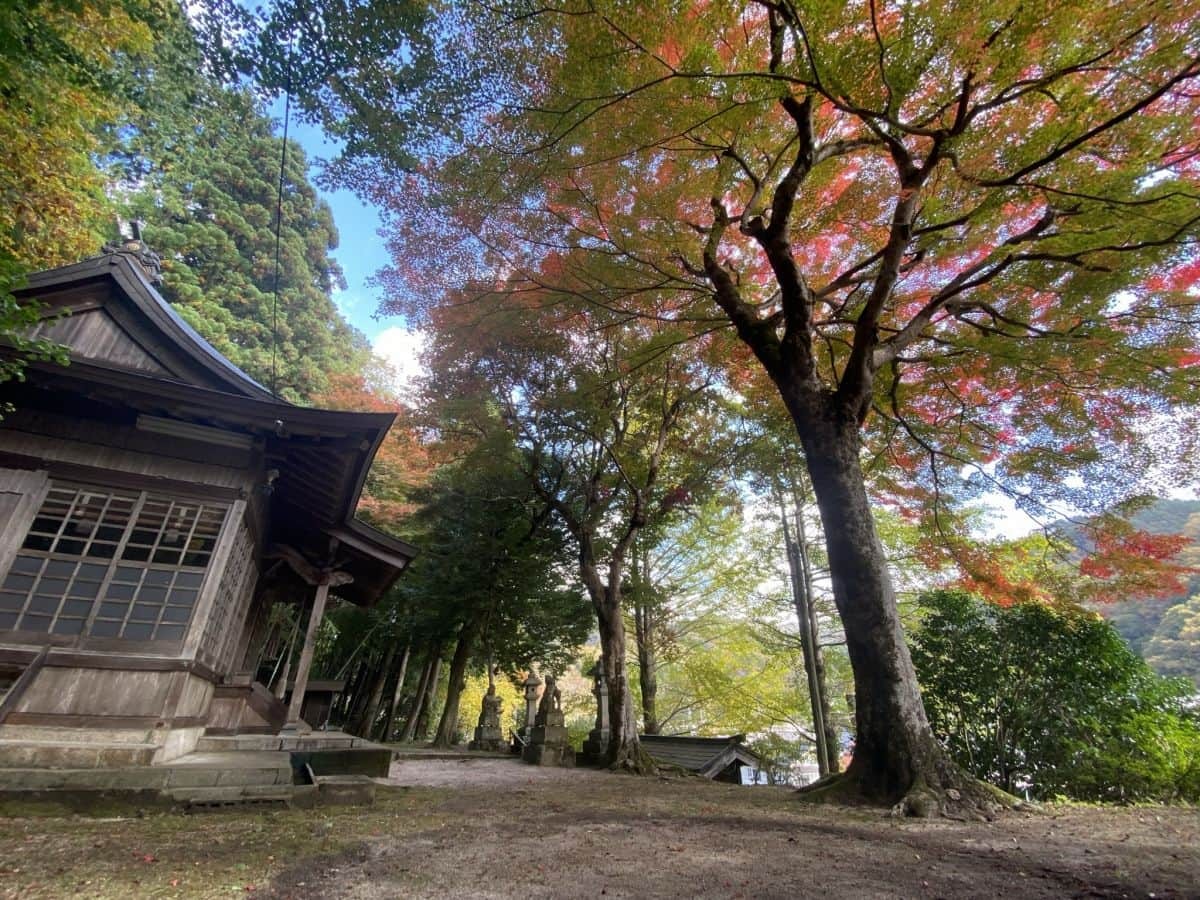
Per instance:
(633,760)
(956,796)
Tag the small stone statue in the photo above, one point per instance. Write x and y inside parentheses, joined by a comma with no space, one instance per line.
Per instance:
(489,715)
(551,702)
(488,733)
(597,739)
(548,745)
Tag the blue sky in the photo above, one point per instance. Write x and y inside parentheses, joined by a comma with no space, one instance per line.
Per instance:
(360,253)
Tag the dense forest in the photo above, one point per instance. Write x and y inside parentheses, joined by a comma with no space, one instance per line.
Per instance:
(738,320)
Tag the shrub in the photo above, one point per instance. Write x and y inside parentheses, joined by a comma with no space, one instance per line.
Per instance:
(1050,700)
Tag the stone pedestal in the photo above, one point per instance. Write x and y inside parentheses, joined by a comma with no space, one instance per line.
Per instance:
(488,733)
(597,740)
(547,743)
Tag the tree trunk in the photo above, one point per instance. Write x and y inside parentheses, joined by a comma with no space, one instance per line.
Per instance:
(801,595)
(367,673)
(896,757)
(388,727)
(345,701)
(647,663)
(455,683)
(371,713)
(624,749)
(418,701)
(832,745)
(644,633)
(833,750)
(430,696)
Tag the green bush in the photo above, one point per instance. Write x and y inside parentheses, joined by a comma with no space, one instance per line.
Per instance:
(1051,701)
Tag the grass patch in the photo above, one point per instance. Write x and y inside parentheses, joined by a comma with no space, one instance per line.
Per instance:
(200,855)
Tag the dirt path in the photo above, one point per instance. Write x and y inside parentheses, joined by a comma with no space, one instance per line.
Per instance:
(509,830)
(495,828)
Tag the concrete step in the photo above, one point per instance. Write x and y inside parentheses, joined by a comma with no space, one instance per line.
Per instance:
(194,771)
(58,754)
(345,790)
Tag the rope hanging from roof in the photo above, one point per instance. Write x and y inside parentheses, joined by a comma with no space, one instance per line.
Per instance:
(287,109)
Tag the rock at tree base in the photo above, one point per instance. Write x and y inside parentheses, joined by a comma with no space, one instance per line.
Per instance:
(548,744)
(488,733)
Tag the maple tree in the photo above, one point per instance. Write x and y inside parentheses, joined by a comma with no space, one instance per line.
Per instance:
(403,463)
(959,235)
(57,62)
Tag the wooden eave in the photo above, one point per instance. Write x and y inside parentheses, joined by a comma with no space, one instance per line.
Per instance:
(323,456)
(123,271)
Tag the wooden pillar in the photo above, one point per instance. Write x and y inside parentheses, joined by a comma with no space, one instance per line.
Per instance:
(285,672)
(306,654)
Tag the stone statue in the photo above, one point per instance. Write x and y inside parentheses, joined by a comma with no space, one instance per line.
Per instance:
(488,733)
(597,739)
(489,715)
(548,744)
(551,701)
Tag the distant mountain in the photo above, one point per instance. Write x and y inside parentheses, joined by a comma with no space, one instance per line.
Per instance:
(1165,631)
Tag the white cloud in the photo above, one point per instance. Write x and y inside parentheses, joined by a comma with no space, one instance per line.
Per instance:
(1004,518)
(401,349)
(347,302)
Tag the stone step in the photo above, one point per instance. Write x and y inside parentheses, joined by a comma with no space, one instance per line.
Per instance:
(57,754)
(215,797)
(168,777)
(127,779)
(60,734)
(346,790)
(335,740)
(229,769)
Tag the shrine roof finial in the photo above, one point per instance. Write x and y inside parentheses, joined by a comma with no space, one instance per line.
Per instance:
(132,245)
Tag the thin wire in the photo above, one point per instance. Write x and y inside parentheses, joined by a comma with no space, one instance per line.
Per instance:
(287,110)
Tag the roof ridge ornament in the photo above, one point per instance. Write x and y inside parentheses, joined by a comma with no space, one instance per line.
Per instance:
(134,247)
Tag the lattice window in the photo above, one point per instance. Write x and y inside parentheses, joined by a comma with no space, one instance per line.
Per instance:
(222,632)
(111,563)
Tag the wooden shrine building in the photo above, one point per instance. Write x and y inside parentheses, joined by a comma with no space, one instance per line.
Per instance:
(156,503)
(718,758)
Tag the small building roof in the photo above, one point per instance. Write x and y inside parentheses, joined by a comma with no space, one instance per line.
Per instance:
(133,355)
(706,756)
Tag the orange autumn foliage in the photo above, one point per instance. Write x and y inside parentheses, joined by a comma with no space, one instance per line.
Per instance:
(402,462)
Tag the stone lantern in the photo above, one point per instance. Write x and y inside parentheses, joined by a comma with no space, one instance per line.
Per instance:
(597,739)
(531,685)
